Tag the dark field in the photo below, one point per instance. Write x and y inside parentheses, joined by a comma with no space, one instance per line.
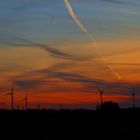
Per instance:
(69,125)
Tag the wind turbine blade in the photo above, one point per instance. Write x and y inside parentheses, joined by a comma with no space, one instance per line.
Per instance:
(97,88)
(7,94)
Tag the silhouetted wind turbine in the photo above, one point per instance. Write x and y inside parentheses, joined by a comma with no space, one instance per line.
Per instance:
(2,105)
(101,93)
(133,98)
(60,107)
(12,96)
(26,101)
(39,107)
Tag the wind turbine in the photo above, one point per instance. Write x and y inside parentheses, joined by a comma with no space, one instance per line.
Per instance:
(133,98)
(39,107)
(12,96)
(60,107)
(2,106)
(101,94)
(26,101)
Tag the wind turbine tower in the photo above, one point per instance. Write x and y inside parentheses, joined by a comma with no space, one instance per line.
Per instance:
(101,94)
(133,98)
(26,102)
(12,96)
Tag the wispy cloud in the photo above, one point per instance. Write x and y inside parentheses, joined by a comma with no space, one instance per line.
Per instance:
(125,64)
(55,80)
(114,1)
(122,2)
(51,50)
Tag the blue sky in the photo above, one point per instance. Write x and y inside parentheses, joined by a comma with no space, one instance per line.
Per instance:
(49,20)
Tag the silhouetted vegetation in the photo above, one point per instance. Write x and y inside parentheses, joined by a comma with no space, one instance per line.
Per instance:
(71,124)
(109,106)
(109,121)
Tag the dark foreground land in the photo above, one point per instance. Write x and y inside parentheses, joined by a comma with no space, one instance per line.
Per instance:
(69,125)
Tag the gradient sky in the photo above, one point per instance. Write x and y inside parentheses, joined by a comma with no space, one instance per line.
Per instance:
(47,55)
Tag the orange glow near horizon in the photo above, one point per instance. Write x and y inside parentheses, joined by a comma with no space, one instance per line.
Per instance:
(56,81)
(55,99)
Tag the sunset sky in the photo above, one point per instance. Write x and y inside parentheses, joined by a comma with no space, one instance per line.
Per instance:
(60,55)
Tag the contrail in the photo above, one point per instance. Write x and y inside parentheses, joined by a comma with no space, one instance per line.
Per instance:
(114,72)
(77,21)
(81,26)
